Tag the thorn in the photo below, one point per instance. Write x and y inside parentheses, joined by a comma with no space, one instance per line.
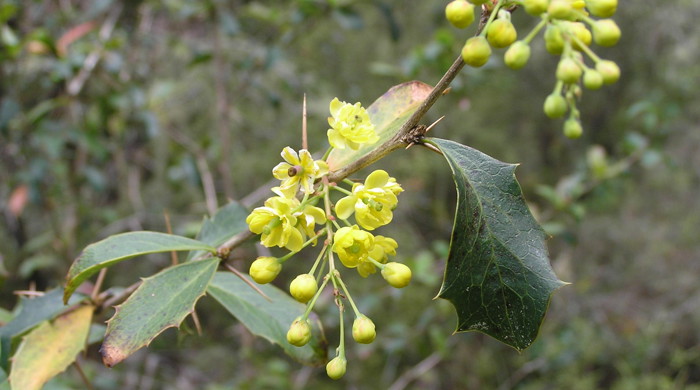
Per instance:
(248,282)
(447,90)
(409,145)
(304,139)
(434,123)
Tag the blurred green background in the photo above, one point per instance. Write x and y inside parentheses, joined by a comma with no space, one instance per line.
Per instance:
(114,114)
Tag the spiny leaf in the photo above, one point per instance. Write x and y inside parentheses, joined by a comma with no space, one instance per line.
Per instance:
(388,113)
(161,302)
(267,319)
(33,311)
(49,349)
(498,275)
(228,221)
(114,249)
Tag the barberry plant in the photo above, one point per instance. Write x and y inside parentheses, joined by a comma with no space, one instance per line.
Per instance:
(497,275)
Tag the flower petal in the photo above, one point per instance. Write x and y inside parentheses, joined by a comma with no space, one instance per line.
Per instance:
(377,179)
(336,139)
(290,156)
(345,207)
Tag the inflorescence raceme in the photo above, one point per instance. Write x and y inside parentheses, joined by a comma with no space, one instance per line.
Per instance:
(288,222)
(569,31)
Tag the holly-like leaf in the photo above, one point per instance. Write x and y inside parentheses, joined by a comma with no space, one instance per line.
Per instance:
(228,221)
(161,302)
(388,113)
(33,311)
(114,249)
(49,349)
(268,319)
(498,275)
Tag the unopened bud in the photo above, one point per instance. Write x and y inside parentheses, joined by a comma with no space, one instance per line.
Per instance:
(398,275)
(265,269)
(363,330)
(336,367)
(299,332)
(303,287)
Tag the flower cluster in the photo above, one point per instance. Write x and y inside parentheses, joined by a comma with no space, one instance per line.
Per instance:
(290,220)
(569,32)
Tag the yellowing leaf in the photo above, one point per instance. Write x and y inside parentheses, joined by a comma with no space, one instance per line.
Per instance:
(388,113)
(49,349)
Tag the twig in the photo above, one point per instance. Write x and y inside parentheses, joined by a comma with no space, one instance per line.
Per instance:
(304,139)
(76,84)
(29,293)
(169,229)
(197,325)
(248,282)
(421,368)
(117,298)
(207,184)
(83,377)
(98,284)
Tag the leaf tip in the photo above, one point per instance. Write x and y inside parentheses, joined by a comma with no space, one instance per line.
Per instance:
(111,356)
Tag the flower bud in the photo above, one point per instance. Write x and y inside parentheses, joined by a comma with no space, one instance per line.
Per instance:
(476,51)
(299,332)
(592,79)
(555,106)
(535,7)
(581,32)
(501,33)
(265,269)
(517,55)
(460,13)
(606,33)
(336,367)
(363,330)
(609,70)
(398,275)
(568,71)
(303,287)
(602,8)
(560,9)
(572,128)
(554,40)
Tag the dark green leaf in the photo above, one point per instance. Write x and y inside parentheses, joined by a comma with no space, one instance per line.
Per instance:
(114,249)
(226,222)
(162,301)
(267,319)
(498,275)
(33,311)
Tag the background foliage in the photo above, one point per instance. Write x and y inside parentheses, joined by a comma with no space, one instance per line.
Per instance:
(114,113)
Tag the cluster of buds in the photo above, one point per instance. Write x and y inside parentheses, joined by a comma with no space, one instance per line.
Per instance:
(290,220)
(569,32)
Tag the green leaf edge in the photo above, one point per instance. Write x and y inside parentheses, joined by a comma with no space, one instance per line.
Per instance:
(558,283)
(77,276)
(176,323)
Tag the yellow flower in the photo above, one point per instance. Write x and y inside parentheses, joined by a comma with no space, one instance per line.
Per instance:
(373,202)
(277,223)
(350,126)
(307,219)
(383,247)
(352,245)
(298,170)
(283,222)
